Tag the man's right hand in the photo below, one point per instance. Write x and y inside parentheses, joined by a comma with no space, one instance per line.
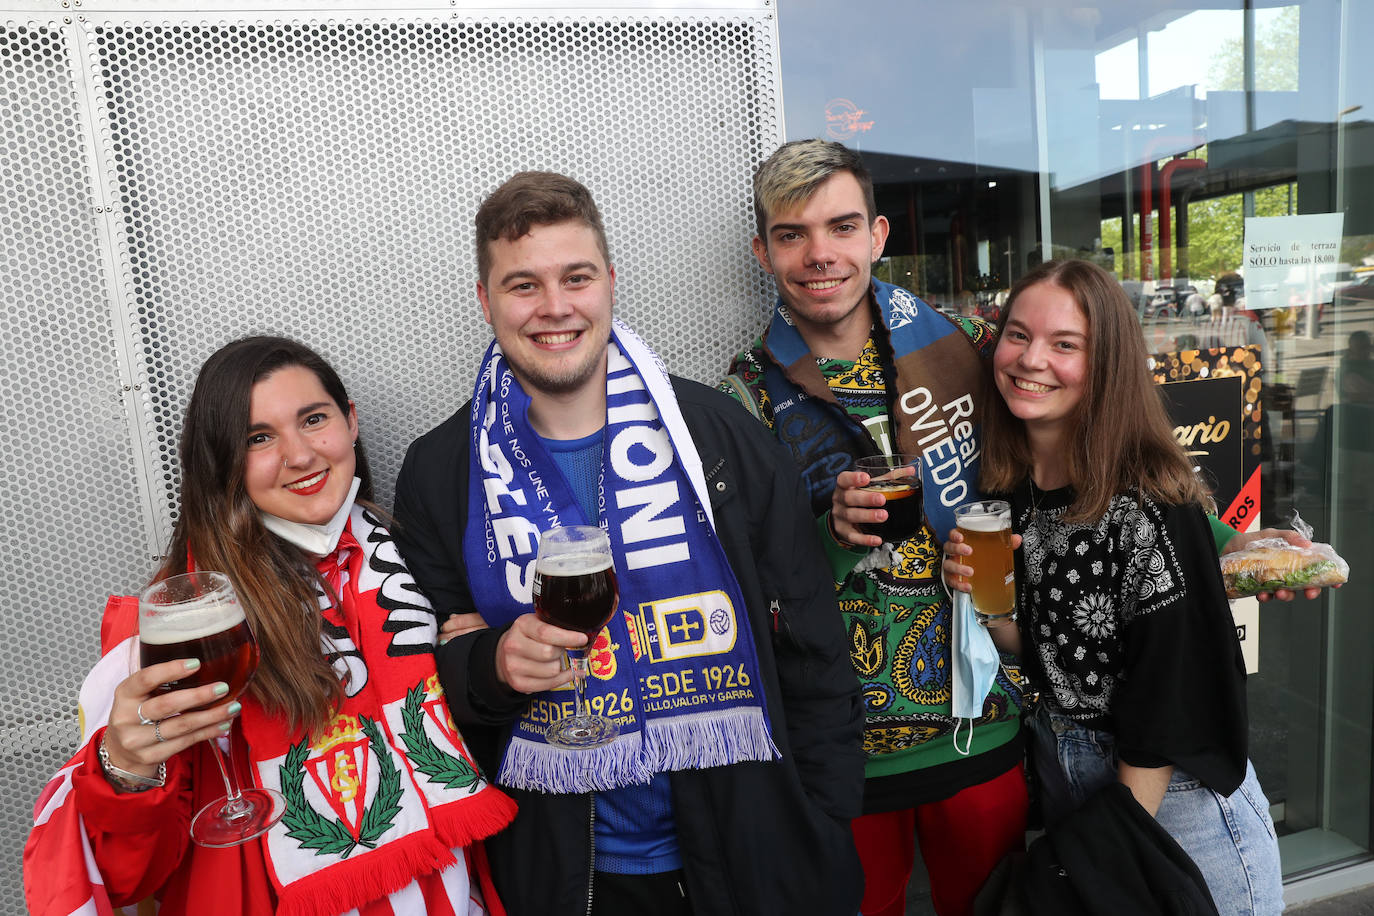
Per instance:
(851,506)
(530,655)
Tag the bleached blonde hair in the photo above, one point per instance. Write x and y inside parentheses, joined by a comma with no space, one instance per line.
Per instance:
(796,169)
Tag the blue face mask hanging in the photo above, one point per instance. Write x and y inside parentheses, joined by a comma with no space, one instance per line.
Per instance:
(973,660)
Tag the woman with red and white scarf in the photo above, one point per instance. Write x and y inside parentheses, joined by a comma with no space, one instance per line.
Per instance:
(274,492)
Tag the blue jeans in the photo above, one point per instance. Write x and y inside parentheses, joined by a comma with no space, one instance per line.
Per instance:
(1231,838)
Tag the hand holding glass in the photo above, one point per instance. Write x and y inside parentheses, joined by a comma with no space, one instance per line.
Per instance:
(575,588)
(898,479)
(197,615)
(986,527)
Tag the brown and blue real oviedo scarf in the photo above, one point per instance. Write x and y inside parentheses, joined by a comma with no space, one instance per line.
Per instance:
(934,386)
(676,667)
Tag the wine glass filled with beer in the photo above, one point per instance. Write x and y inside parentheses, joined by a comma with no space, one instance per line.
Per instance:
(898,479)
(986,527)
(575,588)
(197,615)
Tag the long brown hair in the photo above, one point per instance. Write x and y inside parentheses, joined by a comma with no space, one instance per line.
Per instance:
(219,526)
(1123,438)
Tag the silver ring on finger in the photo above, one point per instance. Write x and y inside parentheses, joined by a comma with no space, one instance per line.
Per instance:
(157,731)
(142,719)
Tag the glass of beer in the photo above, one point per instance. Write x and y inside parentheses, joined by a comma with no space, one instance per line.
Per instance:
(898,479)
(986,527)
(575,588)
(197,615)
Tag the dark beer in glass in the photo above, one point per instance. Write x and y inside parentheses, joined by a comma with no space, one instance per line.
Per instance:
(229,655)
(575,588)
(575,592)
(198,615)
(898,479)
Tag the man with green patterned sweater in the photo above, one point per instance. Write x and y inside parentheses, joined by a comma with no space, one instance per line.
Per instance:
(842,356)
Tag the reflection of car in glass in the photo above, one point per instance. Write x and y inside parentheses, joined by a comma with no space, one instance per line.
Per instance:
(1362,290)
(1316,284)
(1168,300)
(1135,291)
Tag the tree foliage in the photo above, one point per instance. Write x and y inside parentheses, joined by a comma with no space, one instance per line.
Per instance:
(1216,228)
(1216,232)
(1276,57)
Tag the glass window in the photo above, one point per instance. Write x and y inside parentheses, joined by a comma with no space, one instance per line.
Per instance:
(1144,138)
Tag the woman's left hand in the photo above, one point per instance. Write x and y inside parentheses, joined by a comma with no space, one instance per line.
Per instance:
(458,624)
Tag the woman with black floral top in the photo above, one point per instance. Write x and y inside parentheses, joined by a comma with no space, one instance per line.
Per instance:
(1123,619)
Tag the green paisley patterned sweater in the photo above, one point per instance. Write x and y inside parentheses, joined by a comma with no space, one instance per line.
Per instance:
(898,622)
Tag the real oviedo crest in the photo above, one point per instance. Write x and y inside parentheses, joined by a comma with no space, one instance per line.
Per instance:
(601,656)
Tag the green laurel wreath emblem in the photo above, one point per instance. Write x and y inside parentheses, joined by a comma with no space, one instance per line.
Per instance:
(441,767)
(330,837)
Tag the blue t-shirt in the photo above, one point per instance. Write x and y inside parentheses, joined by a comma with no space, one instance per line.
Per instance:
(635,833)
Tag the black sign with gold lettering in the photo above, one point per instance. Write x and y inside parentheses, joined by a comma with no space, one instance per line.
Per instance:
(1213,399)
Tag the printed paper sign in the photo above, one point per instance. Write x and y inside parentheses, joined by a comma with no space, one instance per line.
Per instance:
(1291,260)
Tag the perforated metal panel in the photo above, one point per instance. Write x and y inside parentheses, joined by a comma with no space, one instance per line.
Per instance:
(73,515)
(314,175)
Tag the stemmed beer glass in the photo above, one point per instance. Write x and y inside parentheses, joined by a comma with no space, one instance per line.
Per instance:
(197,615)
(575,588)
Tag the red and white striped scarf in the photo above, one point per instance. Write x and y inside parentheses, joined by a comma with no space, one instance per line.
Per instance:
(378,808)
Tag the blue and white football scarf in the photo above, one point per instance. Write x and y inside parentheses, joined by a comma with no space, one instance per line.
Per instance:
(676,667)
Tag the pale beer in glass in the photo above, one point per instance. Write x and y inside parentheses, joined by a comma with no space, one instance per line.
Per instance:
(986,527)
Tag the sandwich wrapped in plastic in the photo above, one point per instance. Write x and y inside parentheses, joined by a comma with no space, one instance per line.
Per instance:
(1270,564)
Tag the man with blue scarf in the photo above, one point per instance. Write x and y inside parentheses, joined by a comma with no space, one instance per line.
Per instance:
(850,366)
(737,767)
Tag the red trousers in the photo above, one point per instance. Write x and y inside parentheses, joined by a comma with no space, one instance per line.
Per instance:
(962,838)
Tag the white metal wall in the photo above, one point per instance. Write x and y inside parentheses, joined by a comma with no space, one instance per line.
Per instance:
(172,181)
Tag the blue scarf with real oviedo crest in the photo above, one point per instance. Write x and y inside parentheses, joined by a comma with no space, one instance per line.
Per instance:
(934,400)
(676,667)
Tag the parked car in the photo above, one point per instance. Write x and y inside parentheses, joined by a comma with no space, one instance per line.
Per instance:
(1362,290)
(1317,285)
(1169,300)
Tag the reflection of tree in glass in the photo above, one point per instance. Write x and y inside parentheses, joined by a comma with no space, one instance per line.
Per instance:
(1216,230)
(1276,57)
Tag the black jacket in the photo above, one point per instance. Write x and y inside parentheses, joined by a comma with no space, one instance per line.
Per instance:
(1108,858)
(755,838)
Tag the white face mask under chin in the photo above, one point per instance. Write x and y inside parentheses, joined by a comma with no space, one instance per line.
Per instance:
(316,540)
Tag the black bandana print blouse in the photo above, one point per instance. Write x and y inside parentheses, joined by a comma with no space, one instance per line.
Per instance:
(1126,628)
